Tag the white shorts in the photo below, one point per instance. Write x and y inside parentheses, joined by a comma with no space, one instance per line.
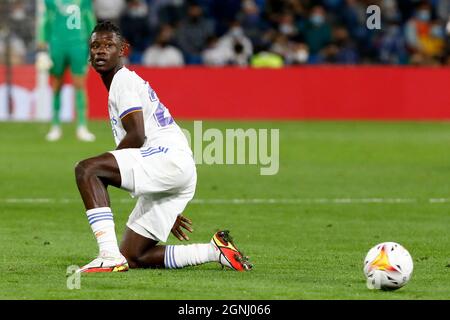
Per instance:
(164,180)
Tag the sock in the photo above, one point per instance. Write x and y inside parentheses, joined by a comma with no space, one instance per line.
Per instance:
(189,255)
(80,104)
(56,108)
(102,224)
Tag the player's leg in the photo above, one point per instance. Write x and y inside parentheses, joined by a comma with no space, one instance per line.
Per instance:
(55,132)
(141,252)
(154,178)
(156,212)
(79,68)
(83,133)
(57,73)
(93,176)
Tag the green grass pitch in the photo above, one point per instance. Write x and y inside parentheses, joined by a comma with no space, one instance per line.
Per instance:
(310,247)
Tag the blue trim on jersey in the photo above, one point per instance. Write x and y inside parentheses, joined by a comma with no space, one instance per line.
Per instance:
(147,150)
(150,151)
(128,111)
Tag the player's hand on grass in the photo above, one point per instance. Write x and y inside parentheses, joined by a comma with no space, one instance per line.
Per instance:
(181,223)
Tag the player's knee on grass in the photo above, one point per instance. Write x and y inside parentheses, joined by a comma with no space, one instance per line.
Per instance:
(138,257)
(132,263)
(129,252)
(132,259)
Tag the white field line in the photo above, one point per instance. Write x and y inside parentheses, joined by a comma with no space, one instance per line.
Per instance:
(249,201)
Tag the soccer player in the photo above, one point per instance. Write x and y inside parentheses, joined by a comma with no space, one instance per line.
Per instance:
(64,31)
(152,161)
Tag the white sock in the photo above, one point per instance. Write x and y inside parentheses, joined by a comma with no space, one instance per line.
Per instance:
(102,224)
(189,255)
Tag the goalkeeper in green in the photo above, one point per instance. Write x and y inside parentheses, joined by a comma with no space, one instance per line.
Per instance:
(64,31)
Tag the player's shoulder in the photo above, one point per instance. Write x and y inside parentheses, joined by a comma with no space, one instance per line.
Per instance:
(124,78)
(127,76)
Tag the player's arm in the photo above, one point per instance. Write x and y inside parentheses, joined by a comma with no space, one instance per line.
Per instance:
(43,60)
(44,25)
(89,15)
(133,123)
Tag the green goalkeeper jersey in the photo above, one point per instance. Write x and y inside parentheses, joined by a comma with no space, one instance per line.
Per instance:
(66,21)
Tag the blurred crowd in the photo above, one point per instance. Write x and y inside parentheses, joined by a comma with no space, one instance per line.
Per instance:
(263,33)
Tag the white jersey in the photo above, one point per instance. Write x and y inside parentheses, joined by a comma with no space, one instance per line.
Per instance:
(130,93)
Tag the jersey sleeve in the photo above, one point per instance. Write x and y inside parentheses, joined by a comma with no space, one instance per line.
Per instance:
(127,98)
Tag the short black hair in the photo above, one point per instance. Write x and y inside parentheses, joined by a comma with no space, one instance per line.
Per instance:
(108,26)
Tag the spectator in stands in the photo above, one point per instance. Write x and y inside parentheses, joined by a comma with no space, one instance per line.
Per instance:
(317,33)
(443,10)
(223,12)
(287,25)
(233,48)
(236,43)
(193,32)
(446,56)
(407,9)
(280,45)
(136,28)
(239,57)
(424,37)
(391,46)
(251,21)
(353,15)
(342,49)
(215,55)
(301,28)
(265,58)
(109,10)
(333,5)
(298,52)
(165,12)
(273,10)
(22,26)
(390,11)
(162,53)
(18,49)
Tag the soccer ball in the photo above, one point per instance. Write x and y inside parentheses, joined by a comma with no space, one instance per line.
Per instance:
(388,266)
